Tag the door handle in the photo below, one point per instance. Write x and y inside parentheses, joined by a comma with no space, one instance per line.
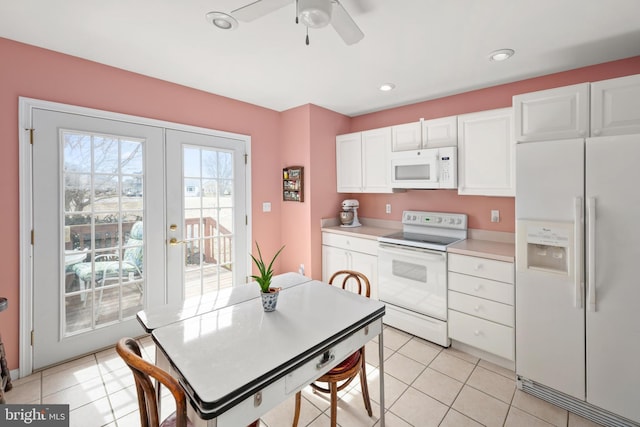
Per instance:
(578,230)
(174,242)
(591,254)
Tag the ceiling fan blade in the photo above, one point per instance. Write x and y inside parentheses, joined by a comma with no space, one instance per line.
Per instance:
(258,9)
(344,25)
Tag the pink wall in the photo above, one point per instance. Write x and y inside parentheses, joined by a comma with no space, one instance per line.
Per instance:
(295,151)
(37,73)
(308,140)
(325,201)
(478,208)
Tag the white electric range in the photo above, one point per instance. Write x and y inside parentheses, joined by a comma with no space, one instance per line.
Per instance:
(412,272)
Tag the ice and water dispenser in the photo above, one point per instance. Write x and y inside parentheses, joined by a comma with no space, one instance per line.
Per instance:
(545,246)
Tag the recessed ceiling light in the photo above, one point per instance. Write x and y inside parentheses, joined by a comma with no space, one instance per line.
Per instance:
(501,54)
(222,20)
(386,87)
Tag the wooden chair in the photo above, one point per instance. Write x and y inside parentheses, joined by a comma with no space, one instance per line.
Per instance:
(341,376)
(143,371)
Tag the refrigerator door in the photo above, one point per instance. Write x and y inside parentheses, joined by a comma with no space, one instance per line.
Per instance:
(550,332)
(613,329)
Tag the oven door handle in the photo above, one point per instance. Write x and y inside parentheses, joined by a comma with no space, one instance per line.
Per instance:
(402,250)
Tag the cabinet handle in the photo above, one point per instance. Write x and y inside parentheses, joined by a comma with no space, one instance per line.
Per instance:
(478,267)
(477,333)
(477,288)
(327,357)
(476,308)
(597,132)
(583,133)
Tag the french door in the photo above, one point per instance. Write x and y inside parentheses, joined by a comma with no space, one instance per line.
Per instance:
(127,216)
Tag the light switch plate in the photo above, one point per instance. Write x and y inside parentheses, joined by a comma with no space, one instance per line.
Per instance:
(266,207)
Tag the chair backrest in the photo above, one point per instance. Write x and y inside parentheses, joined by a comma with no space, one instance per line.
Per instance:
(143,371)
(133,252)
(353,281)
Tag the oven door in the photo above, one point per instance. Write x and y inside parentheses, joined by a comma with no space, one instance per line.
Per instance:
(414,279)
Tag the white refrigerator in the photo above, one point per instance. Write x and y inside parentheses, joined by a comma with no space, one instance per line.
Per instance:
(578,275)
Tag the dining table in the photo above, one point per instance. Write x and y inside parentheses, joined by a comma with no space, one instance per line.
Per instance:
(236,361)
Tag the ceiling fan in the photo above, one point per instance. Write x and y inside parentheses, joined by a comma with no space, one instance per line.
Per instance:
(312,13)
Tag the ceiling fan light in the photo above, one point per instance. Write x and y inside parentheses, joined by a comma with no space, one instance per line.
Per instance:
(315,13)
(222,20)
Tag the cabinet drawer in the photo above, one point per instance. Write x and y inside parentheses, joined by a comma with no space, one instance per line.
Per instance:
(482,334)
(479,307)
(368,246)
(483,288)
(317,367)
(482,267)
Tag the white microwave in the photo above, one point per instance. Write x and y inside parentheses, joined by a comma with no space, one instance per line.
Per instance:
(428,168)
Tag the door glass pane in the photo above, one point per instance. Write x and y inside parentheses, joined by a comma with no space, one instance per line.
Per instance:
(208,220)
(103,230)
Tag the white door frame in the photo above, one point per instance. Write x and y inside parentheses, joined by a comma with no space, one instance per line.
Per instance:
(26,106)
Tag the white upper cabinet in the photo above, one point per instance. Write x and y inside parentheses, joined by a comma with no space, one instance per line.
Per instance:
(349,162)
(433,133)
(441,132)
(559,113)
(376,162)
(362,161)
(406,137)
(486,155)
(615,106)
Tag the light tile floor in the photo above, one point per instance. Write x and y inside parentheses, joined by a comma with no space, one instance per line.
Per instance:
(425,385)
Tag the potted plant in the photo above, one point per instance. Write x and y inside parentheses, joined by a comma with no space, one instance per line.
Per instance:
(269,294)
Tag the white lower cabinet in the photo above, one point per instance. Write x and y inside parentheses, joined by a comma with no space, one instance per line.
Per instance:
(342,252)
(481,297)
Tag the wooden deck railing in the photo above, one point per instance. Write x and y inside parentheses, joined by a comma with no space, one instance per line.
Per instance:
(202,247)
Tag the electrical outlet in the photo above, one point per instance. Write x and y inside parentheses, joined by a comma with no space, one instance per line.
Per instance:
(495,216)
(301,269)
(387,208)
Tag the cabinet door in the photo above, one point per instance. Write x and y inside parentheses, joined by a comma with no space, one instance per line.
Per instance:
(407,136)
(440,132)
(559,113)
(376,165)
(486,163)
(367,265)
(333,259)
(615,106)
(349,163)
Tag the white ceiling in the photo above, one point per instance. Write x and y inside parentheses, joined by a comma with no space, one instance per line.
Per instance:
(428,48)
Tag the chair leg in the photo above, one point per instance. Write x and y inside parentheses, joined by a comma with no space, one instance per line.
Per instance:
(365,387)
(334,403)
(296,414)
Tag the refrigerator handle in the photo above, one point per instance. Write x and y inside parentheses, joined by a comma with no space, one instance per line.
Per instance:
(591,254)
(577,244)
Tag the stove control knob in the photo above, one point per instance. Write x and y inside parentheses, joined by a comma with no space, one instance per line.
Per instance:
(458,221)
(452,221)
(438,220)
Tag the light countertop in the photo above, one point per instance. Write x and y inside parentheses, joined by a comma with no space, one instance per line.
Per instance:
(484,248)
(500,251)
(364,231)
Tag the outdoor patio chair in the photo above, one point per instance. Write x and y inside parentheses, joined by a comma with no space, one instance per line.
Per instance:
(108,266)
